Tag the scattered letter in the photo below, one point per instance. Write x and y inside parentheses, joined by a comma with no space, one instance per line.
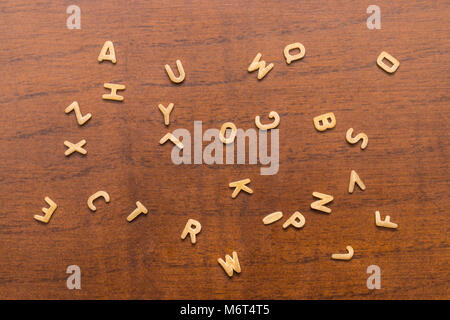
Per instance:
(297,220)
(48,211)
(292,46)
(260,66)
(139,209)
(320,204)
(107,52)
(354,178)
(192,227)
(325,121)
(172,77)
(360,136)
(230,264)
(113,95)
(80,118)
(240,185)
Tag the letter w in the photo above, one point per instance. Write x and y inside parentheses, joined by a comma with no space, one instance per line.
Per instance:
(230,264)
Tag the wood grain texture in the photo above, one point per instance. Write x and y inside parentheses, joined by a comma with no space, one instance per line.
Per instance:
(44,67)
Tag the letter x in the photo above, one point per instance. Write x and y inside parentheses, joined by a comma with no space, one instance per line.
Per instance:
(75,147)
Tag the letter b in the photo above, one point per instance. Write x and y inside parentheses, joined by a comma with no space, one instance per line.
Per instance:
(325,121)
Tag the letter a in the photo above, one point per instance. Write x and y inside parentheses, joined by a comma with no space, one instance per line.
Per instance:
(374,281)
(374,21)
(230,264)
(74,280)
(74,20)
(107,52)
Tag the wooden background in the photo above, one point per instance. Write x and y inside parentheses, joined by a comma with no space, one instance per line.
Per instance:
(44,67)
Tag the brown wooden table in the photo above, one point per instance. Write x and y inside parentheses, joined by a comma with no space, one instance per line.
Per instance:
(44,66)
